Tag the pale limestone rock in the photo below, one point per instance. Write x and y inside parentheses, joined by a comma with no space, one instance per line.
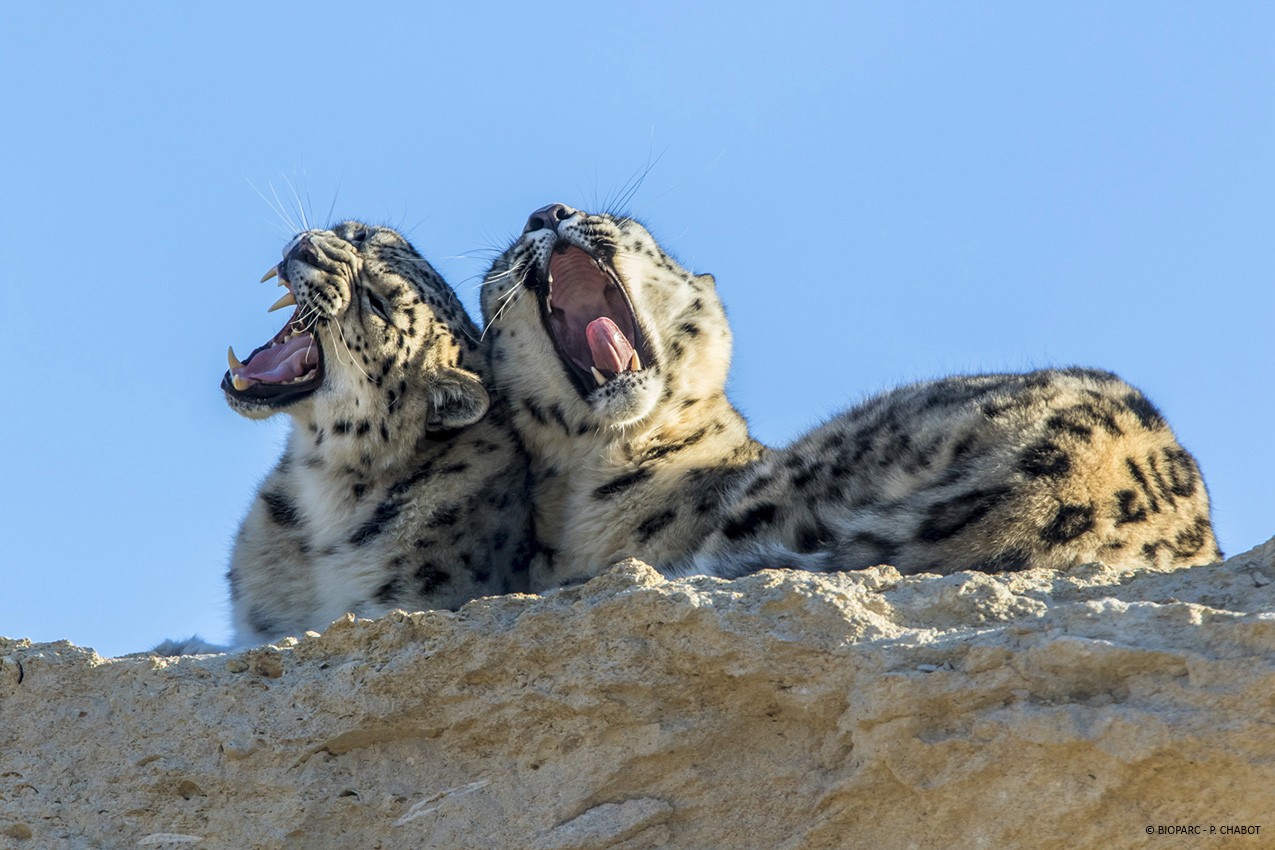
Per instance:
(781,710)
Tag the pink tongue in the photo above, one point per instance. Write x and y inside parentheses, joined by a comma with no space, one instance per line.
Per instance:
(279,364)
(609,346)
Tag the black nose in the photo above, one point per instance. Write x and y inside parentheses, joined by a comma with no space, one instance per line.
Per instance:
(547,218)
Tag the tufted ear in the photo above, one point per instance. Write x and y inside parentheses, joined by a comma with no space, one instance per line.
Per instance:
(457,398)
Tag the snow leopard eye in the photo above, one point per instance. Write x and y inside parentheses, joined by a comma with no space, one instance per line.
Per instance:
(377,306)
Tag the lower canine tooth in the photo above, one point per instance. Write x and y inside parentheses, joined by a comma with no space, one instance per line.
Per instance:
(635,362)
(597,376)
(232,359)
(241,384)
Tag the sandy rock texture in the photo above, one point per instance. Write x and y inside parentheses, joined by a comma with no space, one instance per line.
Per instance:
(777,711)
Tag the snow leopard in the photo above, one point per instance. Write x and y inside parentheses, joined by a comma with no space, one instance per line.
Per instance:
(402,484)
(615,359)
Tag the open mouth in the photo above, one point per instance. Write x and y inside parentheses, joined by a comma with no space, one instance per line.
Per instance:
(285,369)
(588,314)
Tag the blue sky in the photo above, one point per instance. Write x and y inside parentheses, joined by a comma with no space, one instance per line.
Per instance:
(885,192)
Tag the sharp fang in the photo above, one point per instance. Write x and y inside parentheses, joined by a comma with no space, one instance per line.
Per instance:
(635,362)
(232,359)
(240,384)
(274,270)
(288,300)
(597,376)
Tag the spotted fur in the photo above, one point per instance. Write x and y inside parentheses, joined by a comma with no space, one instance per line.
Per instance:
(991,472)
(402,485)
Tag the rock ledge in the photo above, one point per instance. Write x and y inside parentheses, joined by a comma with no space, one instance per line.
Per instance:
(780,710)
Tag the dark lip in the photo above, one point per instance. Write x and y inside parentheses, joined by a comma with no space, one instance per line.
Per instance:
(539,284)
(280,395)
(276,395)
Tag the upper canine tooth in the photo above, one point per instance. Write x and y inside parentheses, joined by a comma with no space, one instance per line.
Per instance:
(635,362)
(597,376)
(274,270)
(232,359)
(288,300)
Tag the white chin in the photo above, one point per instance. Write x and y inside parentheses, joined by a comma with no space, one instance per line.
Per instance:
(625,399)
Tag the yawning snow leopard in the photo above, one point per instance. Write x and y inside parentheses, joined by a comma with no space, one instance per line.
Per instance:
(615,358)
(402,485)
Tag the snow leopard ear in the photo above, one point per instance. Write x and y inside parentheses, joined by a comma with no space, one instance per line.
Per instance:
(457,398)
(708,279)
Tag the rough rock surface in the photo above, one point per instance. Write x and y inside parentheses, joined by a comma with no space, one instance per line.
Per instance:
(777,711)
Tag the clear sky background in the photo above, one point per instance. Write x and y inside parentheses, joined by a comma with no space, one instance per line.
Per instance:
(885,193)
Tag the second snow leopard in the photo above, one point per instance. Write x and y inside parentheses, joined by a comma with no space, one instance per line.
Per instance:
(402,485)
(615,359)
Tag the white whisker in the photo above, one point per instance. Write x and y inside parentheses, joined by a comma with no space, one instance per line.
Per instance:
(292,228)
(300,206)
(511,297)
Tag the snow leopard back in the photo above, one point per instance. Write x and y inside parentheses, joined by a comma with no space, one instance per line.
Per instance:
(991,472)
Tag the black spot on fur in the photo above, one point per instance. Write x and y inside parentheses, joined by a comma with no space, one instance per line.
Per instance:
(964,448)
(389,591)
(1045,459)
(453,468)
(757,485)
(1128,509)
(1147,414)
(812,537)
(1141,479)
(1190,540)
(1070,522)
(1158,477)
(447,515)
(560,417)
(363,428)
(674,446)
(1009,561)
(425,470)
(742,526)
(951,516)
(1181,473)
(283,511)
(341,427)
(654,524)
(1068,423)
(867,549)
(431,577)
(1081,419)
(622,483)
(1102,376)
(536,413)
(358,490)
(801,479)
(385,513)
